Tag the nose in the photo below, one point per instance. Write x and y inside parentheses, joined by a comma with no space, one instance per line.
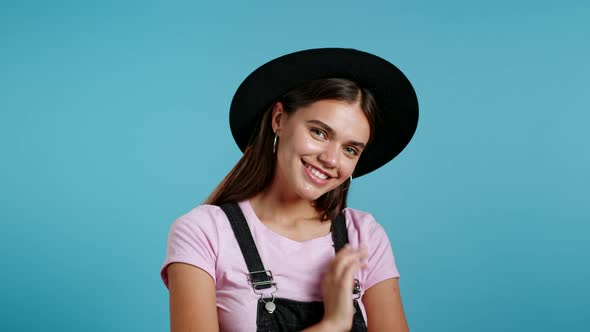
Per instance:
(329,157)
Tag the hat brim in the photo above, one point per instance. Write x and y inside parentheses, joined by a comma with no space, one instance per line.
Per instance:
(396,99)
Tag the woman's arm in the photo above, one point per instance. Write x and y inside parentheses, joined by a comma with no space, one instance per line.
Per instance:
(384,309)
(192,299)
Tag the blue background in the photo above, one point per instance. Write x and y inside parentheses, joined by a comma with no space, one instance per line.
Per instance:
(114,121)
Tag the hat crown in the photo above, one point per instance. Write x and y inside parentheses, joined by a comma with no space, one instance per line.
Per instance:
(395,97)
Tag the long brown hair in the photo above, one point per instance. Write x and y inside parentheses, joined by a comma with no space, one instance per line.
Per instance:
(255,170)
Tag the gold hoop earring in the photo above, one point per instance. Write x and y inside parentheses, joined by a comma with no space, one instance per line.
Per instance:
(274,144)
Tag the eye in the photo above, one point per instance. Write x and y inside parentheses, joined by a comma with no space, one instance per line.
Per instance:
(351,151)
(318,133)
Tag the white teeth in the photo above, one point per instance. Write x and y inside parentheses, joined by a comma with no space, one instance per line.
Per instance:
(317,173)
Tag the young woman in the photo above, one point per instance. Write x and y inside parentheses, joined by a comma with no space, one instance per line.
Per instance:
(274,248)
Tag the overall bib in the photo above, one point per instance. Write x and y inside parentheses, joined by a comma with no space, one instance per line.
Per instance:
(280,314)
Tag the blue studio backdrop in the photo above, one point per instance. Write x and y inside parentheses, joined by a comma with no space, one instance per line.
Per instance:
(114,122)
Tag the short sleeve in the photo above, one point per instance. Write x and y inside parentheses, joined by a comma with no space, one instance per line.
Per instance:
(193,239)
(381,262)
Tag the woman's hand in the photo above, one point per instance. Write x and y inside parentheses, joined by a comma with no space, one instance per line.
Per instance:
(337,287)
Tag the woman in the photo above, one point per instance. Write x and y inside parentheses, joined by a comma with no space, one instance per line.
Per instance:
(275,248)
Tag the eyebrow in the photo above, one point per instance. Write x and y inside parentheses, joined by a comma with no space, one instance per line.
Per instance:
(330,132)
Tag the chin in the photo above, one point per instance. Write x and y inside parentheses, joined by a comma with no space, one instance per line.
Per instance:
(313,195)
(309,197)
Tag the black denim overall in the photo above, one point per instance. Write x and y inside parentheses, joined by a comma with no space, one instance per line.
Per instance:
(279,314)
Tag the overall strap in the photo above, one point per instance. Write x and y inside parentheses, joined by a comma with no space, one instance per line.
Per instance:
(339,232)
(340,238)
(259,277)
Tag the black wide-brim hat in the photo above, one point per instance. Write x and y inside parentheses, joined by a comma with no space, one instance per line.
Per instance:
(393,92)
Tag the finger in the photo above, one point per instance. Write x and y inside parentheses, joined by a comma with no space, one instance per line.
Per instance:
(348,274)
(349,250)
(342,261)
(364,254)
(364,257)
(350,263)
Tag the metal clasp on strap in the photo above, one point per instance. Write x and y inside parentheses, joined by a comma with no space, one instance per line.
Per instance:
(258,284)
(261,284)
(357,289)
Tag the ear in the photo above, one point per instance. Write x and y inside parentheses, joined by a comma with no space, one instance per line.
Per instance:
(278,117)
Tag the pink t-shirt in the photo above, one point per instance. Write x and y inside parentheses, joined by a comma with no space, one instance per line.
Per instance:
(204,238)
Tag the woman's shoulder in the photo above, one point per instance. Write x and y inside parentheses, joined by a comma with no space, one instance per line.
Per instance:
(359,219)
(201,215)
(364,229)
(203,209)
(358,215)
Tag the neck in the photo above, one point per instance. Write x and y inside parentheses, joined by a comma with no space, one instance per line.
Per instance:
(270,205)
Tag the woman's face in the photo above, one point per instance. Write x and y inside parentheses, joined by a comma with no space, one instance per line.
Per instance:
(318,146)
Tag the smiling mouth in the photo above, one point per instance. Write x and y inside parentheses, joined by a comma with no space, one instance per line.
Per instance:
(319,175)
